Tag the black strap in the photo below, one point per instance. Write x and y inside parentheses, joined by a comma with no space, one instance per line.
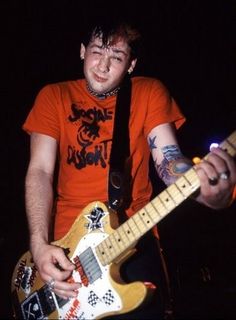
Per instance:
(120,149)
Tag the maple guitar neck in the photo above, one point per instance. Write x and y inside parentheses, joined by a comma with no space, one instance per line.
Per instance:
(127,234)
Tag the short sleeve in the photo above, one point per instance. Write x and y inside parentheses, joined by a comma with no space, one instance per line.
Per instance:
(43,117)
(161,108)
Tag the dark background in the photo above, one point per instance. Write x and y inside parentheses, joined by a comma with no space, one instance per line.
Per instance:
(191,47)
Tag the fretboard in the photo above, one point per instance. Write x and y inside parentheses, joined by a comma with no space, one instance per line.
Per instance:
(127,234)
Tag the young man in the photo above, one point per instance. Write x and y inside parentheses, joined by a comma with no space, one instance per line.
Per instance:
(75,120)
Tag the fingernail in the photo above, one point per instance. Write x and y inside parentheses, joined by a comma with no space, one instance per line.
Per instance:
(214,146)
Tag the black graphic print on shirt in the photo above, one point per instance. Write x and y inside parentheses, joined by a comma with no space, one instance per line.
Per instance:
(89,123)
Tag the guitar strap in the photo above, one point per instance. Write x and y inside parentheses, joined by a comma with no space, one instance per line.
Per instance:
(119,174)
(120,150)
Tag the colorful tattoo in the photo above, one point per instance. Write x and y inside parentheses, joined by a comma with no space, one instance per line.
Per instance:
(173,165)
(151,142)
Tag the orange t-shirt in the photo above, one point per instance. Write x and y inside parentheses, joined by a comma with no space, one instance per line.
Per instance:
(82,124)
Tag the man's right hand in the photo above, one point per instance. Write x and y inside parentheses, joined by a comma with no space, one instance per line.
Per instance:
(55,268)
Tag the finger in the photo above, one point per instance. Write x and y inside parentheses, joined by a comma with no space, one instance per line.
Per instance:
(55,271)
(205,181)
(69,285)
(62,261)
(217,162)
(221,153)
(230,163)
(228,175)
(70,290)
(65,294)
(65,286)
(57,274)
(207,172)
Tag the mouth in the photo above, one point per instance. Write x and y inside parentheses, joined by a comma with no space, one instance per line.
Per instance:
(99,79)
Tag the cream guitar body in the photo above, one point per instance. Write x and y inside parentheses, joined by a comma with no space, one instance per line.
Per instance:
(103,292)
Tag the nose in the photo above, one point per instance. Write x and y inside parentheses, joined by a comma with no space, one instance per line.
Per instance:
(104,64)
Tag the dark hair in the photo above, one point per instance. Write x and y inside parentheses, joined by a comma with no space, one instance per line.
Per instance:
(110,32)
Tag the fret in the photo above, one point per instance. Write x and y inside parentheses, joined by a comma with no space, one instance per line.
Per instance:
(141,226)
(108,255)
(156,209)
(130,238)
(147,220)
(162,202)
(114,242)
(229,147)
(185,176)
(119,239)
(160,207)
(102,257)
(157,202)
(122,233)
(116,246)
(109,244)
(103,248)
(166,200)
(192,177)
(110,249)
(183,185)
(171,196)
(133,227)
(101,254)
(128,232)
(118,243)
(153,212)
(176,193)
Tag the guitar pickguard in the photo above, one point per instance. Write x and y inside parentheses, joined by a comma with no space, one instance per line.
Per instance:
(96,295)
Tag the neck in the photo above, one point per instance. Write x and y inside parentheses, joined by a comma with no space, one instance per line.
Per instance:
(102,95)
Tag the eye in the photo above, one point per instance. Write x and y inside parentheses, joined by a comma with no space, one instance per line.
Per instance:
(118,59)
(96,52)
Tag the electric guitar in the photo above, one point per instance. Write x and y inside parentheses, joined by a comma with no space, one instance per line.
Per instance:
(98,249)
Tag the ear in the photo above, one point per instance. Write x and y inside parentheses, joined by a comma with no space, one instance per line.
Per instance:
(132,65)
(82,51)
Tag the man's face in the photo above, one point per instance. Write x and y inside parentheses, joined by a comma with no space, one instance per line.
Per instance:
(106,66)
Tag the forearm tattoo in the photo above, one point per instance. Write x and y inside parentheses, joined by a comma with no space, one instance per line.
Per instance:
(173,165)
(151,142)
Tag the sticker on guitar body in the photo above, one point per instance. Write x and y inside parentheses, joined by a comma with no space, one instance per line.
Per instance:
(95,219)
(25,277)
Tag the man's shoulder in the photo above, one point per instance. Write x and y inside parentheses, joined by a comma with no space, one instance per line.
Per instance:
(67,84)
(142,82)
